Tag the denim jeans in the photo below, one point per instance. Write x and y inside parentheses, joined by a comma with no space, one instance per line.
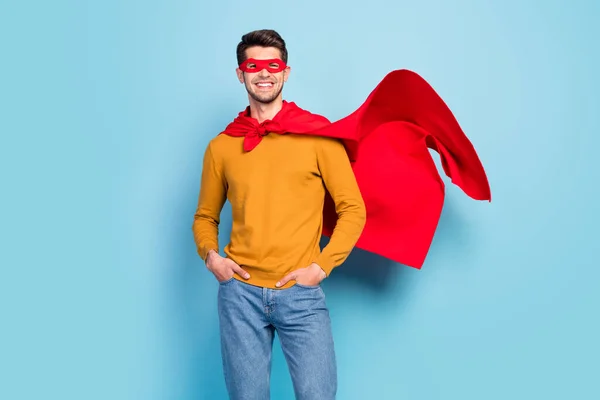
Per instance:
(250,315)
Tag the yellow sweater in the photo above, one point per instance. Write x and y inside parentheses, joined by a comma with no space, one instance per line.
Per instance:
(277,192)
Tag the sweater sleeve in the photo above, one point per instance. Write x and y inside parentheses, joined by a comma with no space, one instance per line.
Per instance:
(212,197)
(341,184)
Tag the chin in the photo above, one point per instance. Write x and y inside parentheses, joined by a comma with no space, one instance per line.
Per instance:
(267,100)
(264,99)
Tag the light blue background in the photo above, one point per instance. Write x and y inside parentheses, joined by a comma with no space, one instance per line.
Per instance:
(107,106)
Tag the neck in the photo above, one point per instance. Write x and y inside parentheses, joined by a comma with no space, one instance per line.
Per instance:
(262,111)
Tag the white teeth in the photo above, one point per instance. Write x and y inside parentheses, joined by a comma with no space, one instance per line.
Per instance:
(264,84)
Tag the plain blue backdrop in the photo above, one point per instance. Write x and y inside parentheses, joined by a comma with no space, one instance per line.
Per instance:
(107,106)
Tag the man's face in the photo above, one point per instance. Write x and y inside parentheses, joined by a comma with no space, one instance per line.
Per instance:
(263,86)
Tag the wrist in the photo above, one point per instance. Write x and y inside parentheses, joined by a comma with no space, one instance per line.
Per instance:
(321,271)
(325,262)
(210,255)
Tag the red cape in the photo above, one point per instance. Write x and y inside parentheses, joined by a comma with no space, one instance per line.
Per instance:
(387,139)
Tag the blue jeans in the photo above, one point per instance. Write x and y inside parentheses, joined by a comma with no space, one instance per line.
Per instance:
(250,315)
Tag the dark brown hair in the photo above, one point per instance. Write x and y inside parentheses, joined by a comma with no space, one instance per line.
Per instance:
(262,38)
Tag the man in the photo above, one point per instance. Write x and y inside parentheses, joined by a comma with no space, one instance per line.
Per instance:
(269,280)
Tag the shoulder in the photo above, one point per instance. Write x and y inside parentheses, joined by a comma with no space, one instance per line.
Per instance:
(315,142)
(223,144)
(329,148)
(326,143)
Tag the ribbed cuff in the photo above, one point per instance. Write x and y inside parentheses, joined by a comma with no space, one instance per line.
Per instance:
(325,262)
(205,250)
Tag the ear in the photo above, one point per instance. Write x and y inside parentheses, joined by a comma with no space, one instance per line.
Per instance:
(286,73)
(240,75)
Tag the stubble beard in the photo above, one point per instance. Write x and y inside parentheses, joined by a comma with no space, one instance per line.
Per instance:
(265,98)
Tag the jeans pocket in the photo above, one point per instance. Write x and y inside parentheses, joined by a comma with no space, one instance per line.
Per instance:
(308,286)
(226,281)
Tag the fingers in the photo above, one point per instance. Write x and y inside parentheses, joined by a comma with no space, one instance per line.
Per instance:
(240,271)
(286,279)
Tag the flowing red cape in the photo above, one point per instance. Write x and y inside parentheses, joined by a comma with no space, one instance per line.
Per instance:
(387,139)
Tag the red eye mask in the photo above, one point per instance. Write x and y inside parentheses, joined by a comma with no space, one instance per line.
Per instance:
(273,65)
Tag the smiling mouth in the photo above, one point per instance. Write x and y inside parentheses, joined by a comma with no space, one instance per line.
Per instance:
(265,85)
